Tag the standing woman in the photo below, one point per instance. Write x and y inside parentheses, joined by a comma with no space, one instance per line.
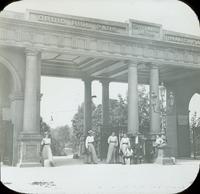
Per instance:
(89,144)
(124,145)
(46,149)
(113,143)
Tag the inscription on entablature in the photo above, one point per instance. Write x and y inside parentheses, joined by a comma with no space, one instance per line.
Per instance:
(80,23)
(174,37)
(145,30)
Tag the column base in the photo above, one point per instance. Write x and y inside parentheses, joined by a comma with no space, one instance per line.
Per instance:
(29,164)
(29,150)
(165,160)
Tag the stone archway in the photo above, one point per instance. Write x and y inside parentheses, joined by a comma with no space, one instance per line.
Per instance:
(194,115)
(14,74)
(10,84)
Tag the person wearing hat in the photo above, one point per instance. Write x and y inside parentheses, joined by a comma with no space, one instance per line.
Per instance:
(89,144)
(46,152)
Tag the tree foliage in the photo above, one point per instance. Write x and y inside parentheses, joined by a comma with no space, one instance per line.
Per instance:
(118,115)
(60,137)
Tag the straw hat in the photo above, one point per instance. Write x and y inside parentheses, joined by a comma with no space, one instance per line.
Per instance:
(90,132)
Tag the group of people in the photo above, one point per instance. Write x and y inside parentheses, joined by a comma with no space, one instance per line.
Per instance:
(125,148)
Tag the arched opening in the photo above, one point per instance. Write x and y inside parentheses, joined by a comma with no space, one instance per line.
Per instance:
(6,127)
(194,121)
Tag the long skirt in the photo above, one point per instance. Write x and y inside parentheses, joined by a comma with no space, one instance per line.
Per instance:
(91,156)
(123,149)
(111,153)
(47,154)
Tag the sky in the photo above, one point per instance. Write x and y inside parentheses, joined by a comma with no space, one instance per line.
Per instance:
(62,96)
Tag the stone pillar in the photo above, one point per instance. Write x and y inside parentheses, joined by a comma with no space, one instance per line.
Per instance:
(105,103)
(154,87)
(30,136)
(87,105)
(105,118)
(133,122)
(171,126)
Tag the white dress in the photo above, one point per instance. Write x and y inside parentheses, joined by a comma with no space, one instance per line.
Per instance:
(46,151)
(124,144)
(113,143)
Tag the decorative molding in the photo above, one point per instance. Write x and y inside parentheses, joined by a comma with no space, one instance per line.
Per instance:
(144,43)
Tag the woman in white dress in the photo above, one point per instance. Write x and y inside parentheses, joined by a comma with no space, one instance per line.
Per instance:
(113,143)
(46,149)
(124,145)
(89,144)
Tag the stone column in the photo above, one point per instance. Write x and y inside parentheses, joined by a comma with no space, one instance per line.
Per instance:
(154,87)
(87,105)
(105,118)
(30,136)
(133,122)
(105,103)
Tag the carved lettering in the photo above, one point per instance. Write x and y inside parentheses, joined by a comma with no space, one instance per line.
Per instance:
(182,39)
(80,23)
(145,30)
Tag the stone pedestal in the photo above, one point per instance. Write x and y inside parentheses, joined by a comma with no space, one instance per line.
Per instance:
(164,157)
(29,150)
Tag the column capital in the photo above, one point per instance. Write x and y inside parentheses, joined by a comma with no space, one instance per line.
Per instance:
(104,81)
(152,65)
(87,79)
(130,63)
(31,51)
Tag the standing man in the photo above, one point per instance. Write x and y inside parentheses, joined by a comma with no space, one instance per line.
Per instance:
(89,144)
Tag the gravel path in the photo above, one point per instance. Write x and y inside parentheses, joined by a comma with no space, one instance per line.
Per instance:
(101,178)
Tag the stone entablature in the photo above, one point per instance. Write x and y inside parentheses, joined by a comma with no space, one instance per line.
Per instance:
(181,38)
(145,29)
(163,46)
(134,28)
(78,22)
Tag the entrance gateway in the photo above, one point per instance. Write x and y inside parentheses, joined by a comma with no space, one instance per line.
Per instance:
(40,43)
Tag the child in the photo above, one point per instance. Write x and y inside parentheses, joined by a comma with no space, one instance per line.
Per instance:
(127,155)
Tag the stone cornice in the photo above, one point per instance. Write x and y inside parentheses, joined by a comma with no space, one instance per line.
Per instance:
(30,26)
(46,37)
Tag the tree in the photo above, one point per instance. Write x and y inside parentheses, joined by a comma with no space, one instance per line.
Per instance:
(118,116)
(60,139)
(195,134)
(143,110)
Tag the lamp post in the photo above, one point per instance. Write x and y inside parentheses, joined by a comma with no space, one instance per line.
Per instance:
(163,105)
(164,110)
